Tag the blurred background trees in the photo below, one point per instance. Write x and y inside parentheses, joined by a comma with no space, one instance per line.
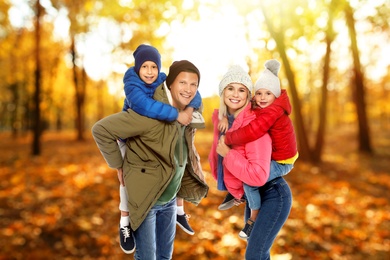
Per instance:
(63,60)
(62,64)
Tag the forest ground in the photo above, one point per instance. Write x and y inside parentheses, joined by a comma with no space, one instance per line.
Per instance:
(64,204)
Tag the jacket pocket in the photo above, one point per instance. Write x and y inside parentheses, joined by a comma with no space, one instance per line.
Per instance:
(143,183)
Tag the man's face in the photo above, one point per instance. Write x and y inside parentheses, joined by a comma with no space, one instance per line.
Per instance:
(183,89)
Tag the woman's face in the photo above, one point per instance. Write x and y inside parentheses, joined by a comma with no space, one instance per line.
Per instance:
(235,97)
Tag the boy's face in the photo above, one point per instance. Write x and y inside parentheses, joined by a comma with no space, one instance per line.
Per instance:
(183,89)
(264,97)
(148,72)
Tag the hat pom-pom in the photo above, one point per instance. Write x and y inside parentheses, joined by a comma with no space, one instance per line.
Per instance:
(273,66)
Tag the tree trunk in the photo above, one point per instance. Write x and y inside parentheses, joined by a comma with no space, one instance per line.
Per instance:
(58,119)
(319,143)
(358,84)
(36,144)
(79,94)
(323,106)
(81,105)
(14,89)
(100,100)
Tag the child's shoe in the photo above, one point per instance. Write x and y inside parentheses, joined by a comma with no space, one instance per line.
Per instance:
(126,239)
(246,231)
(197,120)
(227,203)
(182,221)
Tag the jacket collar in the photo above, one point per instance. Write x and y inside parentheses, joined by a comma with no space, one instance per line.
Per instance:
(169,95)
(163,94)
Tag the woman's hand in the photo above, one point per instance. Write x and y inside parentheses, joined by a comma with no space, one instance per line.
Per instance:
(222,148)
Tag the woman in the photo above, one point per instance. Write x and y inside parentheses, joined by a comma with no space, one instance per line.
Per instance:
(249,163)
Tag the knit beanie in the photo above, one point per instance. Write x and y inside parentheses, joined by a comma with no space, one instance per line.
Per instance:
(235,74)
(146,53)
(269,78)
(180,66)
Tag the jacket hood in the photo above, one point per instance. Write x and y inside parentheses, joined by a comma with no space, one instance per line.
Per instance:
(284,102)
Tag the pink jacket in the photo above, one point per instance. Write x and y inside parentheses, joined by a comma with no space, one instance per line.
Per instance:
(249,163)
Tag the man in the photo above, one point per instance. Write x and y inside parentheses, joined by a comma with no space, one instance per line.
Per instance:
(155,168)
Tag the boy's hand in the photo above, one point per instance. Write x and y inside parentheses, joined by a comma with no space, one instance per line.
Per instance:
(223,125)
(185,116)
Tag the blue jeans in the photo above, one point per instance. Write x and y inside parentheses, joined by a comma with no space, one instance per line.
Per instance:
(154,238)
(251,192)
(275,209)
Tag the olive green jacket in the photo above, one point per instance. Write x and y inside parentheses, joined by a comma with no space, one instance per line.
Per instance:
(148,166)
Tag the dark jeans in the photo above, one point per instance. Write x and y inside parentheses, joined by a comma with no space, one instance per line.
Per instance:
(275,208)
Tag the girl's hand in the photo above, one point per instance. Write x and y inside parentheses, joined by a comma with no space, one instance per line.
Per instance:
(223,125)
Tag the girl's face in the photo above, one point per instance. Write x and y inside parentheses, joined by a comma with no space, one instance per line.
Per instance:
(148,72)
(235,96)
(264,98)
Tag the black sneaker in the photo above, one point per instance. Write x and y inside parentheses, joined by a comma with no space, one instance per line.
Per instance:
(182,221)
(227,203)
(126,239)
(246,231)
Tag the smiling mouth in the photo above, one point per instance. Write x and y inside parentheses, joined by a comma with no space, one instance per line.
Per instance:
(235,101)
(185,95)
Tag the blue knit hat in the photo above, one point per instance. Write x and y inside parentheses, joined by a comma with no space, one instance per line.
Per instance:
(146,53)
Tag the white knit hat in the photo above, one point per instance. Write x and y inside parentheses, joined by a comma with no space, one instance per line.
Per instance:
(269,78)
(235,74)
